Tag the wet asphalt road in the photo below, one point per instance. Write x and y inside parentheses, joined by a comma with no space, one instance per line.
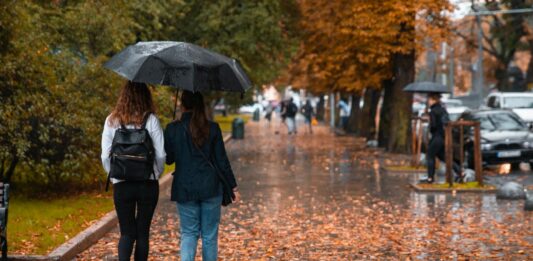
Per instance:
(323,197)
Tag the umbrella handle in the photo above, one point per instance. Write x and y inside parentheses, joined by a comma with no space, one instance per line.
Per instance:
(175,104)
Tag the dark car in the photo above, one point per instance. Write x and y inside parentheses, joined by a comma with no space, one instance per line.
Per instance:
(505,138)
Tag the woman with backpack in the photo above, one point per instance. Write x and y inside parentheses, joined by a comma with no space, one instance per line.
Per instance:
(133,155)
(202,177)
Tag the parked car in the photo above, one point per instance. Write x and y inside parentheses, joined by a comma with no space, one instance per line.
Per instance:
(220,107)
(452,103)
(251,108)
(455,112)
(505,138)
(519,102)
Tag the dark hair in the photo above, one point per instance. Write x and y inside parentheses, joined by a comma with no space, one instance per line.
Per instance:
(134,101)
(434,95)
(199,126)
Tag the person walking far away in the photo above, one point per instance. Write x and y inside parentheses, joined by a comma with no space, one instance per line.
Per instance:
(133,156)
(438,118)
(203,171)
(291,111)
(344,113)
(308,113)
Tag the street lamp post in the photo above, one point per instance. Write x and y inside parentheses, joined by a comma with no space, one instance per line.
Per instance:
(479,89)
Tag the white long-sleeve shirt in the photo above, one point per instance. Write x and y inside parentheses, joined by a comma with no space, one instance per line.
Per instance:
(156,133)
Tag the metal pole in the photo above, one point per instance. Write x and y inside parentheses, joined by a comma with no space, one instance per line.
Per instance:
(512,11)
(451,72)
(480,75)
(332,110)
(477,154)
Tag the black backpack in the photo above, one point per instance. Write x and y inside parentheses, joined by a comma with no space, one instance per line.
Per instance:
(292,110)
(132,154)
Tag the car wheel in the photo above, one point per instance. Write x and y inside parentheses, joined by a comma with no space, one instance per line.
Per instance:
(515,166)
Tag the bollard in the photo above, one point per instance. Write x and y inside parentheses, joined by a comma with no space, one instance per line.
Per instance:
(237,129)
(256,115)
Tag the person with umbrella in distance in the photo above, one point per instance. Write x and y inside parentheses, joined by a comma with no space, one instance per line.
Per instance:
(438,118)
(203,180)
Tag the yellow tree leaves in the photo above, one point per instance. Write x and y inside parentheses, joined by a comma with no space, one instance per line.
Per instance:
(347,45)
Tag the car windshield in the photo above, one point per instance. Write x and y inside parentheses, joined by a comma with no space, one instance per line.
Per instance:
(499,121)
(454,116)
(518,102)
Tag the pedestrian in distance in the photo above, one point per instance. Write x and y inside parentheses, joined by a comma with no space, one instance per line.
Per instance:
(291,111)
(308,113)
(438,118)
(268,113)
(344,113)
(282,114)
(133,156)
(196,146)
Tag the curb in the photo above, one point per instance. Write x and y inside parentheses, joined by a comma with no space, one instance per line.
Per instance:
(406,171)
(89,236)
(451,190)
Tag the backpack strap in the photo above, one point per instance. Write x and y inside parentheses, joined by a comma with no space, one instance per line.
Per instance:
(107,183)
(145,119)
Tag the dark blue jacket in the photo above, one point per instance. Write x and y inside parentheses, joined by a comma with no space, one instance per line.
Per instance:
(194,178)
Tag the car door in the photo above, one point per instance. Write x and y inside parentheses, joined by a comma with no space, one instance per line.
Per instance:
(457,135)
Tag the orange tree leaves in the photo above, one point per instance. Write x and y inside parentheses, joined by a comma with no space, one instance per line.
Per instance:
(347,45)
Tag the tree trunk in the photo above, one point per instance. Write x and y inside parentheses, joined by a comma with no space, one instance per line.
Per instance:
(355,115)
(529,74)
(320,108)
(502,78)
(9,173)
(367,127)
(385,117)
(400,110)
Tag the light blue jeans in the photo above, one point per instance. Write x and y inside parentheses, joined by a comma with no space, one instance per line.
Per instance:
(200,218)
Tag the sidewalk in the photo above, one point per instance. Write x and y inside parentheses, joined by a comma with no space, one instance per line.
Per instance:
(322,197)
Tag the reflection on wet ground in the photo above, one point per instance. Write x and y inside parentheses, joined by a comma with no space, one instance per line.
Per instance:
(321,197)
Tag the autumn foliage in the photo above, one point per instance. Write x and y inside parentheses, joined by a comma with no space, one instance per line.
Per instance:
(349,46)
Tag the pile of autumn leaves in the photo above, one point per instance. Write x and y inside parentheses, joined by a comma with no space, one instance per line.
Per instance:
(319,220)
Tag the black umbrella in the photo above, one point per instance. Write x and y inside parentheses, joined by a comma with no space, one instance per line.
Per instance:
(182,65)
(426,87)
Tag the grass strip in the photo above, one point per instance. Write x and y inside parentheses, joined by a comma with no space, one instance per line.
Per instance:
(37,226)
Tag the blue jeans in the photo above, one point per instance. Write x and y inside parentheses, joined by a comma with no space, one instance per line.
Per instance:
(200,218)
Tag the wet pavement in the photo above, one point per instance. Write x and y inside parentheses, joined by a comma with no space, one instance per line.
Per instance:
(323,197)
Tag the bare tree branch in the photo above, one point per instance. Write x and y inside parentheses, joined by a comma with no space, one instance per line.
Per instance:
(474,44)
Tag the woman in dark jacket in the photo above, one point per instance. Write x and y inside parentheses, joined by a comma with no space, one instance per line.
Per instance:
(196,186)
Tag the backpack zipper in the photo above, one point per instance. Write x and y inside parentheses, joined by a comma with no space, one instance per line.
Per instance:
(132,157)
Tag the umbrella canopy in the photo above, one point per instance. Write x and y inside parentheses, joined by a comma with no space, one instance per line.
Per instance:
(426,87)
(181,65)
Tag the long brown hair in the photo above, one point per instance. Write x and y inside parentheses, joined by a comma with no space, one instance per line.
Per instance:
(134,101)
(199,125)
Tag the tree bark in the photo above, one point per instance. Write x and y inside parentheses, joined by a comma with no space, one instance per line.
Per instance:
(355,115)
(320,108)
(529,74)
(385,119)
(401,105)
(367,126)
(11,170)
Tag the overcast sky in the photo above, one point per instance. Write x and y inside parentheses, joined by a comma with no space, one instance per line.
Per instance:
(462,7)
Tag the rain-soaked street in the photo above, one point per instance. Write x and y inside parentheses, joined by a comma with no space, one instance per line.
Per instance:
(322,197)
